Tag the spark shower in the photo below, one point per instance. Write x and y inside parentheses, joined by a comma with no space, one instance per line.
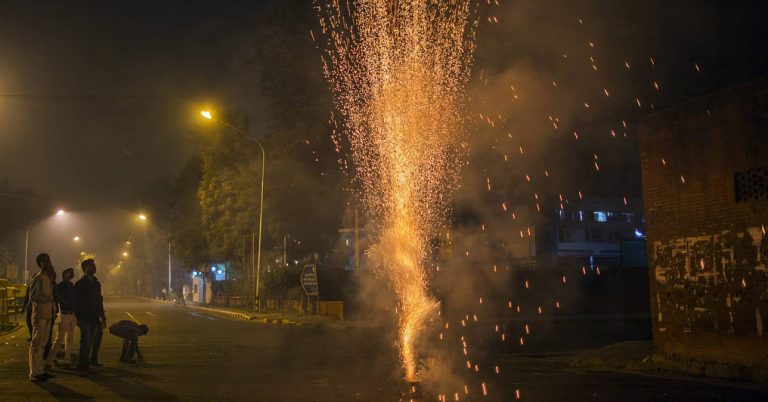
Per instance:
(398,70)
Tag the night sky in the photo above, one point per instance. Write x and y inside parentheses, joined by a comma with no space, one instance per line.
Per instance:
(100,97)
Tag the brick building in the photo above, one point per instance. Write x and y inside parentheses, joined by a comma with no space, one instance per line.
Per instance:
(705,186)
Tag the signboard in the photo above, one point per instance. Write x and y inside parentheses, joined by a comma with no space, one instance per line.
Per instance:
(309,280)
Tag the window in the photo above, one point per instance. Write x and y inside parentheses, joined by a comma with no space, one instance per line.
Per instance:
(580,216)
(751,185)
(600,216)
(628,217)
(562,215)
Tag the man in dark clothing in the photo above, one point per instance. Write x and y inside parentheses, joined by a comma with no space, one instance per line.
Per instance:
(99,332)
(89,311)
(130,332)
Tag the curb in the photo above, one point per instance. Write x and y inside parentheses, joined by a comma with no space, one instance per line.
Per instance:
(229,314)
(10,334)
(246,317)
(280,321)
(265,320)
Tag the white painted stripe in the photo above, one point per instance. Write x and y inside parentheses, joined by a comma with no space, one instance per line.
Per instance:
(150,314)
(203,316)
(132,317)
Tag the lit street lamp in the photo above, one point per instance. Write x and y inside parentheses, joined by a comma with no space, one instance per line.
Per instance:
(257,275)
(26,247)
(143,218)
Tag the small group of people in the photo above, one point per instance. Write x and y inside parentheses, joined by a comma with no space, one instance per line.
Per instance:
(80,304)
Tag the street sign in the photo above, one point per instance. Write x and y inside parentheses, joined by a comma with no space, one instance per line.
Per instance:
(309,280)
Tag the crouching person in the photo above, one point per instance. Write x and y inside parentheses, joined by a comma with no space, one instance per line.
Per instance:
(130,332)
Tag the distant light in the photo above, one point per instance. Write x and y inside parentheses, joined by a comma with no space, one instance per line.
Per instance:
(125,254)
(127,243)
(142,217)
(639,234)
(76,238)
(82,253)
(60,212)
(207,114)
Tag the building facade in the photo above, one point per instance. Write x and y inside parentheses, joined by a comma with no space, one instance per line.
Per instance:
(705,185)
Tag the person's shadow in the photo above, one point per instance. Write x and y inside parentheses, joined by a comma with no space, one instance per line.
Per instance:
(130,385)
(62,393)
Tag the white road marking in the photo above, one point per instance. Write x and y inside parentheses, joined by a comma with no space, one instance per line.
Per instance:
(203,316)
(132,317)
(150,314)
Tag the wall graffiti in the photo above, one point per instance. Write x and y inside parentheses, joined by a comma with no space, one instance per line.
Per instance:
(712,283)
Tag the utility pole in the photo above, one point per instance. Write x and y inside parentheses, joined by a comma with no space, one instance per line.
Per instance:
(356,230)
(254,275)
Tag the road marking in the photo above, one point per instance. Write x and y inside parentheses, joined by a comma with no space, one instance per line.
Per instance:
(132,317)
(150,314)
(203,316)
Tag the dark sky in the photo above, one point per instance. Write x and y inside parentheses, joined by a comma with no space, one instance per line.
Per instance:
(102,95)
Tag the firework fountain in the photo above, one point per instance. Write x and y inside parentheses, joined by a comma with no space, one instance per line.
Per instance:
(398,71)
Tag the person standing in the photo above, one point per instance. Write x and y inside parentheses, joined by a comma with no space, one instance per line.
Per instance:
(89,312)
(27,314)
(65,291)
(99,330)
(49,344)
(41,303)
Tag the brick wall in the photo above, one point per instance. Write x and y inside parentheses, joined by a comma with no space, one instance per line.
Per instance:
(707,252)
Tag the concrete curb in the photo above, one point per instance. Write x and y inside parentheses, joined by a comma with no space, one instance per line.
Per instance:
(229,314)
(10,334)
(255,318)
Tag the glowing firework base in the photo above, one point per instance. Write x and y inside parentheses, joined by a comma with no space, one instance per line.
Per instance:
(414,392)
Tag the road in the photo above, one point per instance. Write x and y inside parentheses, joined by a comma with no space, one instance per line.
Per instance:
(197,356)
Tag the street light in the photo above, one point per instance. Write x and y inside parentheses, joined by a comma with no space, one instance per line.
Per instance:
(76,238)
(60,212)
(144,218)
(257,275)
(125,254)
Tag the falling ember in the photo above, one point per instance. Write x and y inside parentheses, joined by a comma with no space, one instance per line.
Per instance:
(398,72)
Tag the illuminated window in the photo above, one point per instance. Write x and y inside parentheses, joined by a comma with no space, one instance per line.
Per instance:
(580,216)
(600,216)
(561,214)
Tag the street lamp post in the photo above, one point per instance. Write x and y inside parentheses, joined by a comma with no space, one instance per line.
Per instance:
(143,218)
(257,275)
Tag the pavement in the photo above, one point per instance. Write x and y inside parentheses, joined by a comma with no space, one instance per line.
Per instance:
(193,354)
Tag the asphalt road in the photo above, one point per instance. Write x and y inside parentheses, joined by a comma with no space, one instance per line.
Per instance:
(196,356)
